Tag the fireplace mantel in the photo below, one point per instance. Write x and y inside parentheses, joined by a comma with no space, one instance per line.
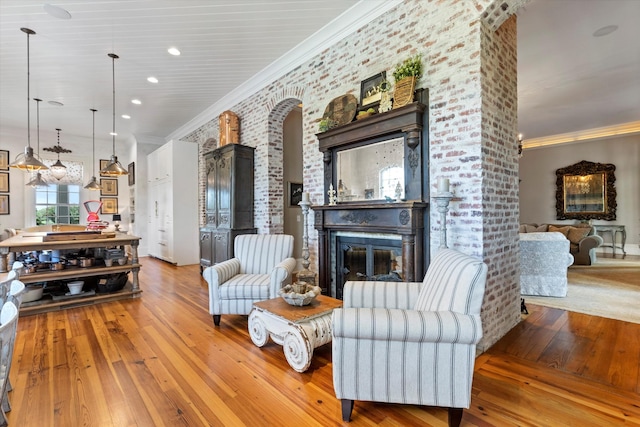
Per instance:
(405,217)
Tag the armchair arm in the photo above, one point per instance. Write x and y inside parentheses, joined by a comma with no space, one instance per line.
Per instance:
(281,275)
(406,325)
(219,273)
(402,295)
(215,276)
(590,242)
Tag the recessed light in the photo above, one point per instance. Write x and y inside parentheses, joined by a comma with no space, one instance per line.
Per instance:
(55,103)
(56,11)
(152,79)
(173,51)
(136,101)
(126,116)
(604,31)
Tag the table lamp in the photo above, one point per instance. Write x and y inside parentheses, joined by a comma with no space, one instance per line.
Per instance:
(116,221)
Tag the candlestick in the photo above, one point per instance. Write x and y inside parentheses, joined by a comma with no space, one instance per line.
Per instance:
(305,197)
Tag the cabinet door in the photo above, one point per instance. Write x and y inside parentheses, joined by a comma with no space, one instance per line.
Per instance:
(210,196)
(220,246)
(224,174)
(206,248)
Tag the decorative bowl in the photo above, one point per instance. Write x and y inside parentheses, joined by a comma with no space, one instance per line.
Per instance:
(299,293)
(32,293)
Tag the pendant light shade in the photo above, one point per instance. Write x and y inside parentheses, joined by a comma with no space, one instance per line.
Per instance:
(37,180)
(93,183)
(26,161)
(114,168)
(58,170)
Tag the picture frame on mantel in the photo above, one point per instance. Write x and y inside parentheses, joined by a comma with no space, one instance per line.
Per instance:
(370,90)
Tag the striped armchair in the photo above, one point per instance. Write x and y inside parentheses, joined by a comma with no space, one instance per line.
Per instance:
(411,343)
(261,265)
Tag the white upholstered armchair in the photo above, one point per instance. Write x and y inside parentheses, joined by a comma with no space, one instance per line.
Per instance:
(261,265)
(411,343)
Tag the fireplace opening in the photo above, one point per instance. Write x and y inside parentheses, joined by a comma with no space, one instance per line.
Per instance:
(363,258)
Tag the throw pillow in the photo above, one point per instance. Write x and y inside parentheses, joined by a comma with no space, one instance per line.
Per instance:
(541,228)
(576,234)
(530,228)
(563,230)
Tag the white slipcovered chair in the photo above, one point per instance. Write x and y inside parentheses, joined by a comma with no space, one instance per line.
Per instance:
(411,343)
(261,265)
(544,262)
(8,322)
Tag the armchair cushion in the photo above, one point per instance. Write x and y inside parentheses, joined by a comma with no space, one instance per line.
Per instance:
(262,264)
(455,282)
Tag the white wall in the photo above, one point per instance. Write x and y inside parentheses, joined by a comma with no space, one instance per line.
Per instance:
(538,186)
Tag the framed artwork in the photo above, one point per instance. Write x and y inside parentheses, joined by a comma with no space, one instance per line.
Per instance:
(109,205)
(109,186)
(586,191)
(4,204)
(103,164)
(295,193)
(371,91)
(4,182)
(132,173)
(4,160)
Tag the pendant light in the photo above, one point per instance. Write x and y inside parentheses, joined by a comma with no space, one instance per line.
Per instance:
(114,168)
(38,181)
(26,161)
(93,183)
(58,170)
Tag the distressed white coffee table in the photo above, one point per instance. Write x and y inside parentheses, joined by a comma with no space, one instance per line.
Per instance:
(299,330)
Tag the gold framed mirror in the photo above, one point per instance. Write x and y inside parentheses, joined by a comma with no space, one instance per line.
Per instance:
(586,191)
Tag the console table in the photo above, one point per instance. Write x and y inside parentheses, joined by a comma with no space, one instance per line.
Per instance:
(613,230)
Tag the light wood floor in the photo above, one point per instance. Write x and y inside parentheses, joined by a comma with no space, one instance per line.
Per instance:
(159,361)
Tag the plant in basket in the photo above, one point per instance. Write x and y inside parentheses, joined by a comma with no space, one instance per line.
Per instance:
(405,75)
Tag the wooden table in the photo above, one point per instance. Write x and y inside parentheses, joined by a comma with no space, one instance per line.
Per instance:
(46,241)
(299,330)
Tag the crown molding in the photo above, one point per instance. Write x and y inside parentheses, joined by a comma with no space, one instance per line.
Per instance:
(623,129)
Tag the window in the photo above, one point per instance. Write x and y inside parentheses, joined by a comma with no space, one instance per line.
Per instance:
(58,204)
(390,178)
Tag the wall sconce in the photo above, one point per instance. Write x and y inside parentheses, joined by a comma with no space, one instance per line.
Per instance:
(520,145)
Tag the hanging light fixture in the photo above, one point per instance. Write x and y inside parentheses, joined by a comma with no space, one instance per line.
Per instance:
(26,161)
(114,168)
(58,170)
(93,183)
(37,180)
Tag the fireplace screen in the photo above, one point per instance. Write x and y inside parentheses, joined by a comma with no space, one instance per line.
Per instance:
(362,259)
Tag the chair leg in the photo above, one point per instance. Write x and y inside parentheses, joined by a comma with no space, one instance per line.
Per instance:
(347,407)
(455,417)
(216,319)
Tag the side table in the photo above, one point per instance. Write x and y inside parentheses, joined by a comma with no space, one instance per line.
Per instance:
(613,230)
(299,330)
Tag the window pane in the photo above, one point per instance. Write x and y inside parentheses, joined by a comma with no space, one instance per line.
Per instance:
(58,204)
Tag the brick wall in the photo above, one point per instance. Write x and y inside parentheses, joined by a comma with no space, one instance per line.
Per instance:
(469,52)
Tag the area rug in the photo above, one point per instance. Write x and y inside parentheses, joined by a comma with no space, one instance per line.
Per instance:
(608,291)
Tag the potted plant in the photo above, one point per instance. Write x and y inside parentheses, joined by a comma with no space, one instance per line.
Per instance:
(405,75)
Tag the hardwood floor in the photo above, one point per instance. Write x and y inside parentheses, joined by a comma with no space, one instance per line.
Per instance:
(159,361)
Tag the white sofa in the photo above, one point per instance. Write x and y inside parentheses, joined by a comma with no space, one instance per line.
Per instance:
(544,259)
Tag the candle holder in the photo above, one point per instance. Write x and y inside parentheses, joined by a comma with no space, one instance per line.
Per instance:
(442,205)
(305,275)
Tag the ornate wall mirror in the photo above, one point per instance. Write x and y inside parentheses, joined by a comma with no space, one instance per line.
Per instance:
(586,191)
